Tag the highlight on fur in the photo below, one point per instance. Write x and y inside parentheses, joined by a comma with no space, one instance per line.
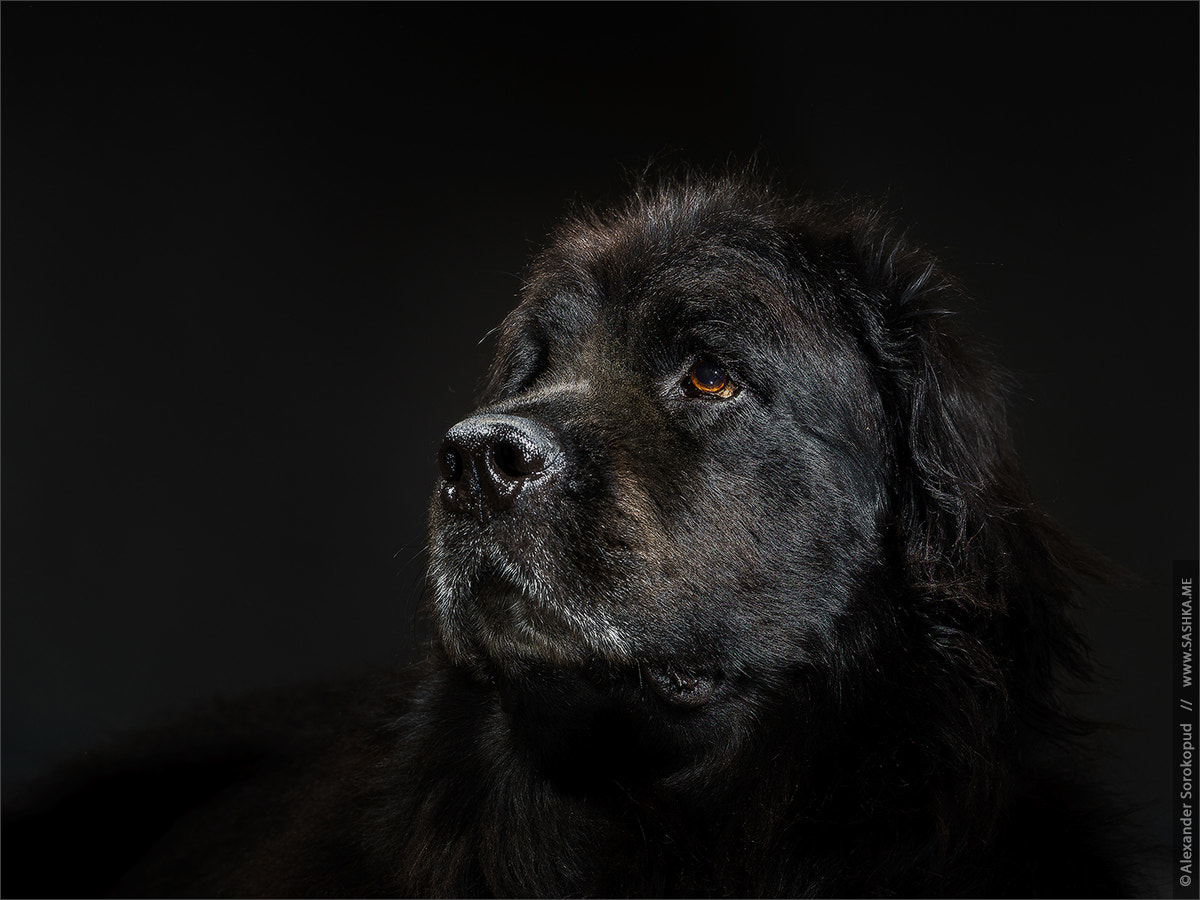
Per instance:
(803,636)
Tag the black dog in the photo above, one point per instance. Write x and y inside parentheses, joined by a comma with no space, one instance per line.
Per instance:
(737,591)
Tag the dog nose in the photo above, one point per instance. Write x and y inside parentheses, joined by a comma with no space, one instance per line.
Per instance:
(487,460)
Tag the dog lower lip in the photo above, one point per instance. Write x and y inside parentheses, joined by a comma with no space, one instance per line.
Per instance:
(679,686)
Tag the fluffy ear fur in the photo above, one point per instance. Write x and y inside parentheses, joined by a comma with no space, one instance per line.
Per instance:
(982,558)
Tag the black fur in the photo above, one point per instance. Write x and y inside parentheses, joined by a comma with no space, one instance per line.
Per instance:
(802,640)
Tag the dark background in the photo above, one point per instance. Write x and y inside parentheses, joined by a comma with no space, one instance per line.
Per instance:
(250,253)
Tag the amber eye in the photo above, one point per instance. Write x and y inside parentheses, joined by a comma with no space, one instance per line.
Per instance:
(709,379)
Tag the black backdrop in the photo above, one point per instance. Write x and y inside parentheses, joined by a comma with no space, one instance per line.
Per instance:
(250,252)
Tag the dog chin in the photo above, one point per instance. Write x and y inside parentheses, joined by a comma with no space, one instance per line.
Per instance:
(488,611)
(506,630)
(517,648)
(527,642)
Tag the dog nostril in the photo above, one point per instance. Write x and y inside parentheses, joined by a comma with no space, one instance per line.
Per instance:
(517,459)
(450,462)
(487,460)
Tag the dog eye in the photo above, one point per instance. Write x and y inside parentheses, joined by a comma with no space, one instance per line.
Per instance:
(707,379)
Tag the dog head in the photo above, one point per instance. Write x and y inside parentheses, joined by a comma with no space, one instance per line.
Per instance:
(728,452)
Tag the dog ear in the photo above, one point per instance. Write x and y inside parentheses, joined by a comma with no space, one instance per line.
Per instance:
(981,558)
(962,497)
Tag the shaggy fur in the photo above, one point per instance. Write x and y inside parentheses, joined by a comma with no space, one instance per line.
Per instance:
(737,591)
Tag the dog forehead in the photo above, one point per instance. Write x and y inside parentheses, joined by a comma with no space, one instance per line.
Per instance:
(631,290)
